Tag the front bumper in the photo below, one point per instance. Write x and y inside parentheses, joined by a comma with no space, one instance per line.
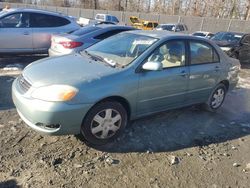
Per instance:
(37,112)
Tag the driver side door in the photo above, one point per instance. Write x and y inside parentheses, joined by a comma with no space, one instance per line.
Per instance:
(15,33)
(166,88)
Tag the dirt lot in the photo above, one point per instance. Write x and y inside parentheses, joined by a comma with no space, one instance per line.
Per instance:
(179,148)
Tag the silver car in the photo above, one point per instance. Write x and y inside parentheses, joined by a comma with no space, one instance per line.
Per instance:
(83,38)
(124,77)
(29,30)
(174,27)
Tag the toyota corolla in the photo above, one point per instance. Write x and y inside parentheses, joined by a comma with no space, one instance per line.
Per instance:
(124,77)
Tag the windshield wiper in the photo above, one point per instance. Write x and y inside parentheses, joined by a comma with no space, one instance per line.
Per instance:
(99,58)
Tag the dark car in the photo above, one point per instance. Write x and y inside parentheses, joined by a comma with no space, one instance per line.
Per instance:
(236,45)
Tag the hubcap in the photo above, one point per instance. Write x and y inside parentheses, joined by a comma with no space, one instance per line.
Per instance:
(218,98)
(106,123)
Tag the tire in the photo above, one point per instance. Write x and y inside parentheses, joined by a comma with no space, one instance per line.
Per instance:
(220,91)
(104,122)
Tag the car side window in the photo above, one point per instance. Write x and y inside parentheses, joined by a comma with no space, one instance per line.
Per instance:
(181,28)
(114,19)
(109,18)
(150,25)
(202,53)
(43,20)
(108,34)
(17,20)
(170,54)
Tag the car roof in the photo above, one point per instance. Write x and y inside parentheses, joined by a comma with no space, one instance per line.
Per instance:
(205,32)
(105,14)
(162,35)
(33,10)
(102,26)
(156,33)
(173,24)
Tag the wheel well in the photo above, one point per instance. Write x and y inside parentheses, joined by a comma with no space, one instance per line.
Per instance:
(121,100)
(226,83)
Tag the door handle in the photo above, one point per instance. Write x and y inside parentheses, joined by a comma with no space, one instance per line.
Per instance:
(217,68)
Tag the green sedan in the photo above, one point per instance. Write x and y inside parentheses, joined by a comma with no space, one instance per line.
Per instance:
(130,75)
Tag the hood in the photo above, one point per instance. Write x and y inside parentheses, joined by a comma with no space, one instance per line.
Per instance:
(224,43)
(70,69)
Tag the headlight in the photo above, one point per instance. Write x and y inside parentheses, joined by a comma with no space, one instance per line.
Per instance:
(225,48)
(55,93)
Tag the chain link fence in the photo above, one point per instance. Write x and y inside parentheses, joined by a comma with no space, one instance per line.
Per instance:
(193,23)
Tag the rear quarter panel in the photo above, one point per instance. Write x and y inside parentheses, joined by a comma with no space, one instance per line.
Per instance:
(42,36)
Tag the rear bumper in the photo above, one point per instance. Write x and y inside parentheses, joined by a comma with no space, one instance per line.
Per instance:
(37,114)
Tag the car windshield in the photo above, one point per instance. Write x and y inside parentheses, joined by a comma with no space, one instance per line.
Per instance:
(120,50)
(229,37)
(85,30)
(166,27)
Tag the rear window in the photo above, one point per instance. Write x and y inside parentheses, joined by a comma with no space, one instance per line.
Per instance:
(155,25)
(100,17)
(230,37)
(84,31)
(114,19)
(166,27)
(199,34)
(44,20)
(109,34)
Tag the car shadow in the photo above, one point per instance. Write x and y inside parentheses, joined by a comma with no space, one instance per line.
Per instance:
(22,60)
(9,184)
(245,66)
(186,127)
(6,102)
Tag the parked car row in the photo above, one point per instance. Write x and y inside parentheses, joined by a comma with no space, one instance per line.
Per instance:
(30,30)
(33,29)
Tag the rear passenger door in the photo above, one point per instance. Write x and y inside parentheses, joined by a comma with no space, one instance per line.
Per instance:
(205,69)
(43,26)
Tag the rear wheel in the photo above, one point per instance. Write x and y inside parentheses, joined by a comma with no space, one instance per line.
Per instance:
(216,98)
(104,122)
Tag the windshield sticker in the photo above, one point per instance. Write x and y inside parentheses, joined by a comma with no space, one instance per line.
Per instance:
(147,42)
(238,36)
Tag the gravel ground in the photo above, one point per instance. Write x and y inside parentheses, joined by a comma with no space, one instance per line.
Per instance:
(179,148)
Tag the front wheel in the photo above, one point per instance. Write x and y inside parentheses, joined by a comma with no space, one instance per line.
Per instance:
(216,98)
(104,122)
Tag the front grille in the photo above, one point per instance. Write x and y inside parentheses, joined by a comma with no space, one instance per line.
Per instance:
(24,84)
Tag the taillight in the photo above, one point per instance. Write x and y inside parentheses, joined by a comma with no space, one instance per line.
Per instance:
(71,44)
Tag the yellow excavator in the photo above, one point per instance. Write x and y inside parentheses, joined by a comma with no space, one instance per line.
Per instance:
(143,24)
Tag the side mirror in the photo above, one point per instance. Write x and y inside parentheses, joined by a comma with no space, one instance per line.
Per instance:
(152,66)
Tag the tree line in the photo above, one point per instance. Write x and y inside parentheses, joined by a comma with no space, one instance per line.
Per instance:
(235,9)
